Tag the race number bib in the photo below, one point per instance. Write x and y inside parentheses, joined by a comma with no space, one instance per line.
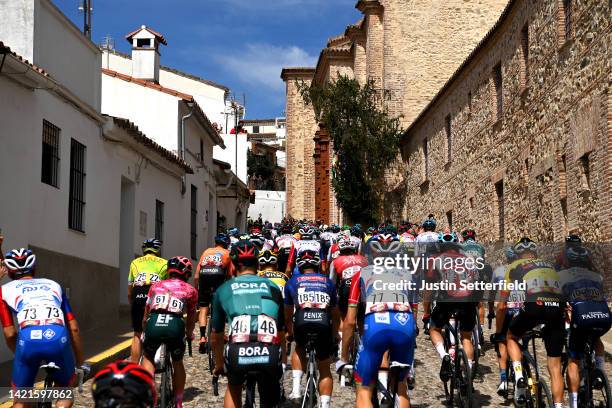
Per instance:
(141,278)
(315,300)
(167,302)
(267,332)
(397,301)
(240,329)
(349,272)
(39,315)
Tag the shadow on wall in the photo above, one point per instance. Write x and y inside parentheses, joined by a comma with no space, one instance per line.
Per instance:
(395,201)
(92,287)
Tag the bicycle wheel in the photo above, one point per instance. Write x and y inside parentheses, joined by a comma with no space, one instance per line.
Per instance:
(544,398)
(48,384)
(463,378)
(211,354)
(449,386)
(476,335)
(310,398)
(167,394)
(600,394)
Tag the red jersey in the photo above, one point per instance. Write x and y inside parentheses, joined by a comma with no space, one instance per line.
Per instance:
(346,266)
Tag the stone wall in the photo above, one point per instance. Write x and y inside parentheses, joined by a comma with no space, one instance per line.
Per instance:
(542,166)
(301,127)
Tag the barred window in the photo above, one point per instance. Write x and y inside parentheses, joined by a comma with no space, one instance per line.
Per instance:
(499,193)
(159,220)
(525,56)
(498,89)
(568,18)
(50,154)
(425,160)
(194,222)
(449,139)
(76,206)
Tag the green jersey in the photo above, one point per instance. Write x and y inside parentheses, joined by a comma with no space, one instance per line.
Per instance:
(252,306)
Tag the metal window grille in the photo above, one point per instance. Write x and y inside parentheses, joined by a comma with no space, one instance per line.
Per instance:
(525,50)
(159,220)
(449,139)
(50,154)
(499,192)
(194,221)
(568,18)
(499,97)
(425,159)
(76,206)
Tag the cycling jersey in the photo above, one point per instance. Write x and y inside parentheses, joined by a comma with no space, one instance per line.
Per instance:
(451,267)
(299,247)
(346,266)
(278,278)
(284,243)
(392,289)
(540,278)
(515,297)
(215,261)
(406,237)
(172,296)
(42,310)
(147,269)
(473,249)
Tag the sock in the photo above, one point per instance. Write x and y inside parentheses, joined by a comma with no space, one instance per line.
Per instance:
(517,367)
(558,405)
(178,397)
(297,379)
(470,363)
(600,362)
(573,400)
(440,350)
(383,376)
(325,401)
(502,374)
(202,331)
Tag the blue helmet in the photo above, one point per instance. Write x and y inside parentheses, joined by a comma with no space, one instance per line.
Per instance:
(223,240)
(152,245)
(430,223)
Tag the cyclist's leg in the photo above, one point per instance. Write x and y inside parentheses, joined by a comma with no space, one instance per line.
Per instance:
(575,351)
(204,298)
(467,323)
(26,360)
(373,345)
(152,339)
(402,350)
(554,335)
(60,352)
(236,376)
(323,352)
(139,300)
(175,342)
(269,383)
(298,362)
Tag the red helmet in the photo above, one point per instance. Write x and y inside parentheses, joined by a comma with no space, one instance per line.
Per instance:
(181,266)
(124,383)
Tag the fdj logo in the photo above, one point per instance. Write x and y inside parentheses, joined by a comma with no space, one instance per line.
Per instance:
(27,289)
(253,351)
(163,319)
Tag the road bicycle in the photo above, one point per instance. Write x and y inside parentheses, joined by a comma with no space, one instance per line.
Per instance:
(166,369)
(346,374)
(458,388)
(50,369)
(594,390)
(388,395)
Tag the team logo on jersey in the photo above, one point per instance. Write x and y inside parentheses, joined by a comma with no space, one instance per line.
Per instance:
(402,318)
(64,339)
(49,334)
(382,317)
(36,335)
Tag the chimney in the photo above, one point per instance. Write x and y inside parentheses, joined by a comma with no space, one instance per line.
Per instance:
(145,53)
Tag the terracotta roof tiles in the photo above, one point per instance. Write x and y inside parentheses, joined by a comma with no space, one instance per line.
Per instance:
(5,49)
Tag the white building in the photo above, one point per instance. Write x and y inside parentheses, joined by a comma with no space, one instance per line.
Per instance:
(93,161)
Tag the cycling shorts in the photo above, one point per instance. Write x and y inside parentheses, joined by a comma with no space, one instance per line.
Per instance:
(283,258)
(314,325)
(164,328)
(393,331)
(263,361)
(509,315)
(207,285)
(532,315)
(465,315)
(589,320)
(37,345)
(139,301)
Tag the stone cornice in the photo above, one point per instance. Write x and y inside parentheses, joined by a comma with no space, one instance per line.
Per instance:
(297,72)
(369,6)
(326,57)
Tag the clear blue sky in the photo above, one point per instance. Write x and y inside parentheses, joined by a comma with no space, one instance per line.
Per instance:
(242,44)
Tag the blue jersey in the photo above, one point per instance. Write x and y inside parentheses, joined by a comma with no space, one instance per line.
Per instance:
(310,290)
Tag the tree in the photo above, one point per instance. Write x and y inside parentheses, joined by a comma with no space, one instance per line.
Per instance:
(365,141)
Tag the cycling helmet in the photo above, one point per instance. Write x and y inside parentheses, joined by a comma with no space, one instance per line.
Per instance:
(383,245)
(356,231)
(335,228)
(573,238)
(577,255)
(308,259)
(152,245)
(267,257)
(123,383)
(430,223)
(181,267)
(347,245)
(223,240)
(286,229)
(233,232)
(20,262)
(525,244)
(510,255)
(257,239)
(244,252)
(447,237)
(469,234)
(307,233)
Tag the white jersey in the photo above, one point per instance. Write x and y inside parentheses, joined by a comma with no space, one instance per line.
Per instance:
(36,302)
(423,240)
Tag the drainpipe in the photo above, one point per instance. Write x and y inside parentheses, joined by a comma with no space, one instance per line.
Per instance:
(183,119)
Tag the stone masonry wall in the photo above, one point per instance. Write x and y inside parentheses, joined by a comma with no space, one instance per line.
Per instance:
(544,167)
(301,127)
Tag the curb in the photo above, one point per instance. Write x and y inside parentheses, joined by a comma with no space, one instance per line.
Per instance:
(119,351)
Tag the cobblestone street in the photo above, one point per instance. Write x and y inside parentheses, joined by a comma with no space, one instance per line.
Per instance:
(429,391)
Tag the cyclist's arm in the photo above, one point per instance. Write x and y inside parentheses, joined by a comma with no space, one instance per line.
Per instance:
(350,320)
(131,277)
(8,327)
(332,272)
(75,332)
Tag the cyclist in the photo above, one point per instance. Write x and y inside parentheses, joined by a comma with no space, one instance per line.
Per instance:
(253,307)
(562,262)
(268,261)
(123,384)
(589,313)
(47,330)
(311,299)
(308,242)
(144,271)
(509,309)
(163,322)
(388,325)
(214,267)
(233,235)
(424,246)
(541,305)
(451,266)
(327,238)
(284,242)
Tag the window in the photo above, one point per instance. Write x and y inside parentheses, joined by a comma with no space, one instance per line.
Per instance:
(469,97)
(585,176)
(425,160)
(449,219)
(255,129)
(201,150)
(498,98)
(50,154)
(524,56)
(159,220)
(567,20)
(194,221)
(449,139)
(143,43)
(76,205)
(499,193)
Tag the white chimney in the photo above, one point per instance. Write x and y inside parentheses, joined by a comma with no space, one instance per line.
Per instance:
(145,53)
